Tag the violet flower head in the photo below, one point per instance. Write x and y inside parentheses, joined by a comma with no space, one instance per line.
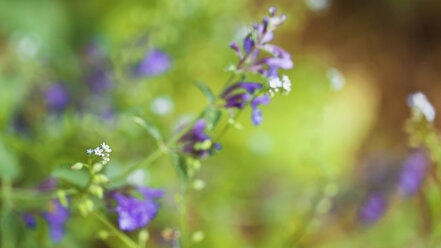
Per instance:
(155,63)
(56,218)
(46,185)
(197,143)
(413,173)
(99,80)
(57,97)
(257,41)
(29,220)
(372,209)
(134,213)
(239,94)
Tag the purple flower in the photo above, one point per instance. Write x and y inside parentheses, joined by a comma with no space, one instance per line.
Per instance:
(57,97)
(239,94)
(48,184)
(99,80)
(413,172)
(134,213)
(155,63)
(372,209)
(256,42)
(56,218)
(196,136)
(29,219)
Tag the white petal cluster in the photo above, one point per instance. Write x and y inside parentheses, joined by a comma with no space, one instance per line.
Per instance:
(101,151)
(276,84)
(421,106)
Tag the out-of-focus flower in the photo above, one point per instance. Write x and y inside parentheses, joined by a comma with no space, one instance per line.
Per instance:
(47,185)
(56,217)
(57,97)
(155,63)
(256,42)
(239,94)
(336,78)
(162,105)
(99,80)
(317,5)
(413,173)
(197,143)
(134,213)
(29,220)
(373,208)
(421,106)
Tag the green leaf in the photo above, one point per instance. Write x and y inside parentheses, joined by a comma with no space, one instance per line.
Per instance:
(206,91)
(75,177)
(180,167)
(212,116)
(150,127)
(8,162)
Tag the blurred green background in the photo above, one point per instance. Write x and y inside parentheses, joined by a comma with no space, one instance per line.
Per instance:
(297,180)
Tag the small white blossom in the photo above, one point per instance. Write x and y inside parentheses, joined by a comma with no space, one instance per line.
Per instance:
(106,148)
(89,151)
(98,151)
(275,83)
(336,78)
(421,106)
(286,83)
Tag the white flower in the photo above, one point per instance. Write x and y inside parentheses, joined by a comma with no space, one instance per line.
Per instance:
(418,101)
(336,78)
(106,148)
(275,83)
(89,151)
(286,83)
(98,151)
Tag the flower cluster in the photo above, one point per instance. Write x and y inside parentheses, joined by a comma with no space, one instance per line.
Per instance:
(197,143)
(134,213)
(256,41)
(421,106)
(239,94)
(277,85)
(103,151)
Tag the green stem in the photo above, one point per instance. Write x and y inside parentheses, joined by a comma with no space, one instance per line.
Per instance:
(184,237)
(123,237)
(6,193)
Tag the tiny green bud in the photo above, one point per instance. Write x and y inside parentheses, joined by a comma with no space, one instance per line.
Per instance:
(143,236)
(96,190)
(77,166)
(198,184)
(61,194)
(97,167)
(100,178)
(85,207)
(198,236)
(103,234)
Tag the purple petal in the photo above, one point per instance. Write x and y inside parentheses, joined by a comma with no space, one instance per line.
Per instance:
(413,173)
(150,193)
(56,219)
(134,213)
(373,208)
(237,101)
(155,63)
(236,48)
(250,87)
(261,100)
(248,44)
(29,219)
(256,116)
(267,37)
(57,97)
